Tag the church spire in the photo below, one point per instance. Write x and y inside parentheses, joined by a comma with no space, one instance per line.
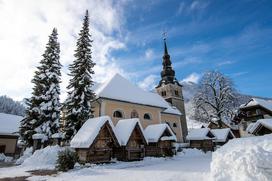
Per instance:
(165,46)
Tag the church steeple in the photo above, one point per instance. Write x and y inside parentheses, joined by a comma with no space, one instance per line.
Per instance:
(167,73)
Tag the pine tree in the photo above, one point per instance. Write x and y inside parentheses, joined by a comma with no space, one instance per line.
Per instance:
(43,112)
(77,105)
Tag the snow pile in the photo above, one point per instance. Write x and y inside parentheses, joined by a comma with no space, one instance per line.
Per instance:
(27,153)
(155,131)
(44,158)
(244,159)
(89,131)
(4,158)
(191,152)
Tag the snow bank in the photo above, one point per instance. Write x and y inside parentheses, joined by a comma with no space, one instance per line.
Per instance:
(27,153)
(4,158)
(244,159)
(44,158)
(191,152)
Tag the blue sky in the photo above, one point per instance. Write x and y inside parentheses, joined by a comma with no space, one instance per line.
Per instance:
(234,37)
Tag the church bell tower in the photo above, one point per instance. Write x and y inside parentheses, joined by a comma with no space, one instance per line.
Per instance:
(171,90)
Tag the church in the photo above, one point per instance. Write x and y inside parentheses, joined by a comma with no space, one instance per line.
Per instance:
(120,99)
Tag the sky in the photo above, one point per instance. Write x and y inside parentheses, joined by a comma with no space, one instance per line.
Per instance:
(233,37)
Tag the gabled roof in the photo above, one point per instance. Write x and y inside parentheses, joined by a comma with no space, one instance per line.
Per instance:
(200,134)
(267,123)
(119,88)
(261,102)
(89,131)
(9,124)
(124,129)
(222,134)
(154,132)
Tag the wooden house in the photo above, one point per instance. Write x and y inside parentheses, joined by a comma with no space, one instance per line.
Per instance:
(234,128)
(261,127)
(132,140)
(222,136)
(95,140)
(201,138)
(160,139)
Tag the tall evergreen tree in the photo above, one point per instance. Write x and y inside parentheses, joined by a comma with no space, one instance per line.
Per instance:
(43,111)
(77,105)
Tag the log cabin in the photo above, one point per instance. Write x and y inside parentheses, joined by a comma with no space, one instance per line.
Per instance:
(95,140)
(132,140)
(261,127)
(160,139)
(222,136)
(202,139)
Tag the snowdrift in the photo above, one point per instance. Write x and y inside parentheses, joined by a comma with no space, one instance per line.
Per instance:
(244,159)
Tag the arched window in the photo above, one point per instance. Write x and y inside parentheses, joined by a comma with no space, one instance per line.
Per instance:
(117,114)
(174,125)
(147,116)
(134,114)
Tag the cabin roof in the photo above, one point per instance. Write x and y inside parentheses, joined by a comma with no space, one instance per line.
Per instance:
(9,124)
(89,131)
(258,102)
(154,132)
(222,134)
(267,123)
(200,134)
(124,129)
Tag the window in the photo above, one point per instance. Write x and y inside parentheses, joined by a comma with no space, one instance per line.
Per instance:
(147,116)
(176,93)
(163,93)
(258,112)
(117,114)
(2,148)
(134,114)
(174,125)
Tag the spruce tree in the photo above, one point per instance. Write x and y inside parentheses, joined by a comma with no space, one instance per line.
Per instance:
(43,112)
(77,106)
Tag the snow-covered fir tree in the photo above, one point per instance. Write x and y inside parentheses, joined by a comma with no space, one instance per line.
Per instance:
(43,108)
(77,106)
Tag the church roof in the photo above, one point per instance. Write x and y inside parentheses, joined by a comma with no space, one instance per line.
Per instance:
(119,88)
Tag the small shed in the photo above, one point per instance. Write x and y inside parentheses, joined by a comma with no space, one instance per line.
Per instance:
(40,140)
(95,140)
(222,136)
(261,127)
(160,139)
(201,138)
(56,138)
(132,140)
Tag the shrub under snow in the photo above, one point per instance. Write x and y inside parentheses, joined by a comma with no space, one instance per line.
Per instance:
(66,160)
(244,159)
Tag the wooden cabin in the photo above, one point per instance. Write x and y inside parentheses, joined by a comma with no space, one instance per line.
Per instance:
(132,140)
(261,127)
(160,139)
(222,136)
(202,139)
(95,140)
(234,128)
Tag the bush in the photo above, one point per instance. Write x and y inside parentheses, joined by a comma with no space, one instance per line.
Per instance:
(66,160)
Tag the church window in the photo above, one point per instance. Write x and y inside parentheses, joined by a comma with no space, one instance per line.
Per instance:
(174,125)
(117,114)
(176,93)
(163,93)
(134,114)
(147,116)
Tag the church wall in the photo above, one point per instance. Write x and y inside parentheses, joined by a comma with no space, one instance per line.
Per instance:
(171,119)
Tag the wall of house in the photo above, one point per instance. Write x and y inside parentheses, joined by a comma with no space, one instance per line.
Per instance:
(173,120)
(10,145)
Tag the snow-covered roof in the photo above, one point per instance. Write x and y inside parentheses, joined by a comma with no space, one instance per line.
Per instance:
(9,124)
(267,123)
(119,88)
(199,134)
(88,132)
(154,132)
(256,101)
(124,129)
(39,136)
(221,134)
(57,135)
(172,110)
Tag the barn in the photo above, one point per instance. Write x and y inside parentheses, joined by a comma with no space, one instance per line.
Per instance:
(95,140)
(160,139)
(201,138)
(132,140)
(222,136)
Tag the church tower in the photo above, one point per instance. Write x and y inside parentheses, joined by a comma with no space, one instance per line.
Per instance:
(171,90)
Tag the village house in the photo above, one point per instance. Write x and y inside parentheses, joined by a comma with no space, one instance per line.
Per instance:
(222,136)
(132,140)
(202,139)
(160,140)
(261,127)
(95,140)
(233,128)
(9,134)
(252,111)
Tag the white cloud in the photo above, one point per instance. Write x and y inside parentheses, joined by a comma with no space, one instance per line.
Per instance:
(149,54)
(228,62)
(149,82)
(193,77)
(26,24)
